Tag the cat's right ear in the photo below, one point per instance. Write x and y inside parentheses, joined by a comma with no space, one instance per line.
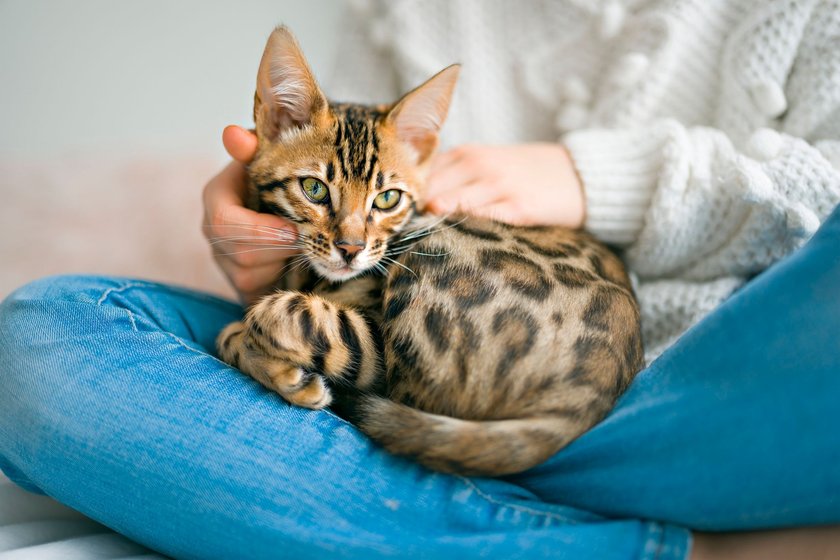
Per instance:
(287,95)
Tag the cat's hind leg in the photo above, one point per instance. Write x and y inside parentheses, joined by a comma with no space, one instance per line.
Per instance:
(300,345)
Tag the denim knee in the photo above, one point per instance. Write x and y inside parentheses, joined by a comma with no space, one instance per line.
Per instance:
(40,322)
(78,288)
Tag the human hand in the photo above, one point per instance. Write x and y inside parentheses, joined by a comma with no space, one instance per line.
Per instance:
(525,184)
(247,245)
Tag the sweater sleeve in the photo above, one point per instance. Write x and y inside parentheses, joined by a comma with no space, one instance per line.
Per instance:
(685,202)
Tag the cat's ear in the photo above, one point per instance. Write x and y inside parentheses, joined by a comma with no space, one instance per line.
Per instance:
(287,95)
(419,115)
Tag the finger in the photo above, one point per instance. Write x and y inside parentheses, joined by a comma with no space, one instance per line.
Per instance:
(249,250)
(227,187)
(226,218)
(466,199)
(246,236)
(223,204)
(241,144)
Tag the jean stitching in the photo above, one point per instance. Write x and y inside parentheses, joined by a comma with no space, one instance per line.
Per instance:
(653,543)
(194,350)
(109,291)
(661,543)
(133,322)
(122,288)
(207,298)
(517,507)
(130,285)
(667,548)
(217,302)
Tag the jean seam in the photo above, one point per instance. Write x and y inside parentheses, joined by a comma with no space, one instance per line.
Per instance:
(133,321)
(653,543)
(122,288)
(133,284)
(217,302)
(525,509)
(207,298)
(108,292)
(660,545)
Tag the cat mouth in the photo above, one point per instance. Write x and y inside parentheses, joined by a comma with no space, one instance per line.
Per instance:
(338,272)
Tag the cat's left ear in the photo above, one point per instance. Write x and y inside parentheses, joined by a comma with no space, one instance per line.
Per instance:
(419,115)
(287,94)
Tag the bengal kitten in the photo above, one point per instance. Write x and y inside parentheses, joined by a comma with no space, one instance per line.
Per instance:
(474,346)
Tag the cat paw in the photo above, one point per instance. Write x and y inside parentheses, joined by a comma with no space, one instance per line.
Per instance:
(299,386)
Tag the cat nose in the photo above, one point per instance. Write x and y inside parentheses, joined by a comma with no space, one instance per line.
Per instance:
(349,248)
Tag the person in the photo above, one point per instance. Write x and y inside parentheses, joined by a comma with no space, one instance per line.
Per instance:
(701,139)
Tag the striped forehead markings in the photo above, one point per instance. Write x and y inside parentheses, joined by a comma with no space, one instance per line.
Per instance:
(356,140)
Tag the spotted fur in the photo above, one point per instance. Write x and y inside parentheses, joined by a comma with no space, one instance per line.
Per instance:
(474,346)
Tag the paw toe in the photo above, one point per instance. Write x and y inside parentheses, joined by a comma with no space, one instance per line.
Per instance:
(284,375)
(315,394)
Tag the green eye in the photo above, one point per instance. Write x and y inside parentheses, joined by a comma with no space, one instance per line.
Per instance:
(315,189)
(387,200)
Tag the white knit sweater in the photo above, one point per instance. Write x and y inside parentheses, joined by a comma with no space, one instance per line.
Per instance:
(706,132)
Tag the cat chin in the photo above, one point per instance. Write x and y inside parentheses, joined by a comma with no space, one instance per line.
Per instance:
(340,275)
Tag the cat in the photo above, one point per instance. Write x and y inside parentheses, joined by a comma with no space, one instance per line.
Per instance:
(474,346)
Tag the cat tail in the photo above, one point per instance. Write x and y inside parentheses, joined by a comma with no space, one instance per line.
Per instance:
(470,447)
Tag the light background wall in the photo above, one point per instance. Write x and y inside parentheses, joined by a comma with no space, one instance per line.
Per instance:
(156,76)
(111,114)
(100,99)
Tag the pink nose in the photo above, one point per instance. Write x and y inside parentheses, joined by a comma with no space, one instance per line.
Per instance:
(349,248)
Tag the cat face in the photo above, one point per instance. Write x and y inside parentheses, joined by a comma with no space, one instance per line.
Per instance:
(349,176)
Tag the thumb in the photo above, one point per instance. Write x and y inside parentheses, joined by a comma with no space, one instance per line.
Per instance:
(241,144)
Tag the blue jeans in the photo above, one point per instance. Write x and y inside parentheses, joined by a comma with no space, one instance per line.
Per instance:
(113,403)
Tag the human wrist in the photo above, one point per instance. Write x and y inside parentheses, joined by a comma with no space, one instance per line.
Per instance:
(574,199)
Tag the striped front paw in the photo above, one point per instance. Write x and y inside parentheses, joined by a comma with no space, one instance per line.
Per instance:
(241,346)
(300,344)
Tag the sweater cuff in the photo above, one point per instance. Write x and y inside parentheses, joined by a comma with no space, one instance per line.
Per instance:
(620,170)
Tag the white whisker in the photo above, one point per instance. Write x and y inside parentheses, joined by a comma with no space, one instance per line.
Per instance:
(243,251)
(430,254)
(399,264)
(380,268)
(258,241)
(255,227)
(295,263)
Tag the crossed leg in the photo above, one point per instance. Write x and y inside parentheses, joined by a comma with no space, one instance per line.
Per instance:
(114,404)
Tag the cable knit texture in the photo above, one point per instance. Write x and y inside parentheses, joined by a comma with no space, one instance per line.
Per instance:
(706,132)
